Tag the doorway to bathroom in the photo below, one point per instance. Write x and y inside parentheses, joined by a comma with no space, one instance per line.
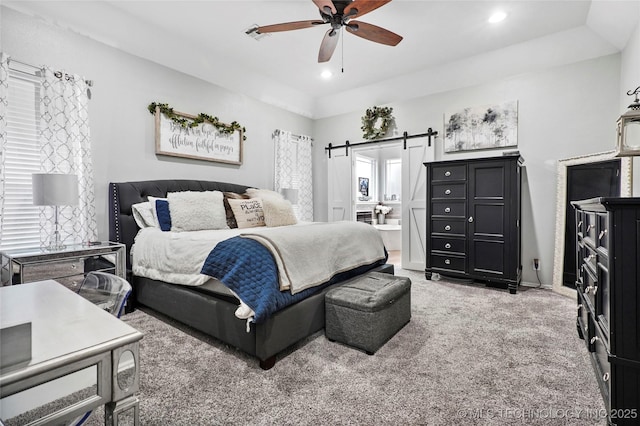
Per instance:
(357,182)
(377,189)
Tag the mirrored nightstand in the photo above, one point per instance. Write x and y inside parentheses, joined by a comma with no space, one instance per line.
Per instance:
(66,266)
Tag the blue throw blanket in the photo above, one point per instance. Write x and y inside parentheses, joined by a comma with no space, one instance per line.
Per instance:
(247,268)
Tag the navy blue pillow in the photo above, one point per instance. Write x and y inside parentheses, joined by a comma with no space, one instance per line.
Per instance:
(164,216)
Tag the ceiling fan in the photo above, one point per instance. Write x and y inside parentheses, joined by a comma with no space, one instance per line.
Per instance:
(339,13)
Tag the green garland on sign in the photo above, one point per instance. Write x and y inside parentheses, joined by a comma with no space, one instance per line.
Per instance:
(371,117)
(200,118)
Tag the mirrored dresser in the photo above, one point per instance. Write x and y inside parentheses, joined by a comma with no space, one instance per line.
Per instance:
(67,266)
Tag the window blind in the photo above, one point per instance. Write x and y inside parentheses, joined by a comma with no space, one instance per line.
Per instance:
(21,219)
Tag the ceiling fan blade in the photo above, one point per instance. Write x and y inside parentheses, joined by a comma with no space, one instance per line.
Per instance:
(324,4)
(360,7)
(373,33)
(288,26)
(328,46)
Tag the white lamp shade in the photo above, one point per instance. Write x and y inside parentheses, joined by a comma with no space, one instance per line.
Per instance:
(54,189)
(290,194)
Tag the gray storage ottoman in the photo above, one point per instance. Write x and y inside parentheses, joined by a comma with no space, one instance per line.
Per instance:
(367,311)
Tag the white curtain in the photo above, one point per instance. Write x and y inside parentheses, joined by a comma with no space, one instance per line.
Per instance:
(293,169)
(4,104)
(66,148)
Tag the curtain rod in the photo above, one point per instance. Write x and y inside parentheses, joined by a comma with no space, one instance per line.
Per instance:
(278,131)
(56,73)
(403,138)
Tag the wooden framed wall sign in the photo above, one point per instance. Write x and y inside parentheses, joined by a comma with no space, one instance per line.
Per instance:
(203,142)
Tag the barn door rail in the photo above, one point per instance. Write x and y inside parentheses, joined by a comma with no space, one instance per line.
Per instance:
(405,136)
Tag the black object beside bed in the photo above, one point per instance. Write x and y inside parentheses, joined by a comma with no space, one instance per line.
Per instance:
(210,308)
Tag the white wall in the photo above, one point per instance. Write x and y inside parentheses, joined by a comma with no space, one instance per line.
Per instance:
(122,130)
(629,80)
(563,112)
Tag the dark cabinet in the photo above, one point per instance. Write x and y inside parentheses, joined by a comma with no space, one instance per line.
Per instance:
(607,249)
(473,219)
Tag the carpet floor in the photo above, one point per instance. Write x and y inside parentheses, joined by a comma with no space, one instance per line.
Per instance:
(471,355)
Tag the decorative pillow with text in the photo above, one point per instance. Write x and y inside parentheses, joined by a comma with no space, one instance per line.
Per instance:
(231,219)
(248,213)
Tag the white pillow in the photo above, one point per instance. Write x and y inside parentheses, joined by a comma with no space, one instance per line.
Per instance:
(152,203)
(248,213)
(144,215)
(264,194)
(197,210)
(278,212)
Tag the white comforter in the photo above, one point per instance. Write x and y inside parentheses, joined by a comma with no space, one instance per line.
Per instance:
(175,257)
(326,249)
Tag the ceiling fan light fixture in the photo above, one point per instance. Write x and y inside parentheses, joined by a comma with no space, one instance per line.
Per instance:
(497,16)
(337,14)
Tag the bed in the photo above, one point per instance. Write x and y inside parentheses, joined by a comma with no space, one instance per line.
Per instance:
(211,307)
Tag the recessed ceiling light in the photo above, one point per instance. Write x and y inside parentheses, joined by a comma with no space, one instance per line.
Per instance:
(497,17)
(326,74)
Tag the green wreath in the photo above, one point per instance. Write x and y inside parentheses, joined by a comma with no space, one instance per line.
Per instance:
(373,116)
(201,118)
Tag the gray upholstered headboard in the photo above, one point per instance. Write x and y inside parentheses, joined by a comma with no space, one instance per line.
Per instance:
(122,226)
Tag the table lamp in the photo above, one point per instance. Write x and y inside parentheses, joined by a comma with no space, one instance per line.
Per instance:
(55,189)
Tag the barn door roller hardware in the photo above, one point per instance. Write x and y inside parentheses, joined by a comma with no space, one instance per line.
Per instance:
(402,138)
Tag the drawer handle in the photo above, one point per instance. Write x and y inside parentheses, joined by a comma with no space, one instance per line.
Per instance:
(447,228)
(580,306)
(579,224)
(588,289)
(447,246)
(447,173)
(589,228)
(447,192)
(602,234)
(588,258)
(74,266)
(447,262)
(594,339)
(605,377)
(447,210)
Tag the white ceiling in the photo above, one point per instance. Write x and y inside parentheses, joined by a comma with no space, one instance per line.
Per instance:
(443,41)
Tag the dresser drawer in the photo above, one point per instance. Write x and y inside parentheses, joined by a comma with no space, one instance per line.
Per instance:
(590,223)
(446,262)
(602,297)
(583,321)
(448,245)
(603,233)
(448,227)
(580,224)
(590,258)
(52,269)
(602,364)
(450,190)
(452,172)
(590,288)
(448,208)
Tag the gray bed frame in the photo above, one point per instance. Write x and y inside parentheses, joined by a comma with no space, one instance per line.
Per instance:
(206,309)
